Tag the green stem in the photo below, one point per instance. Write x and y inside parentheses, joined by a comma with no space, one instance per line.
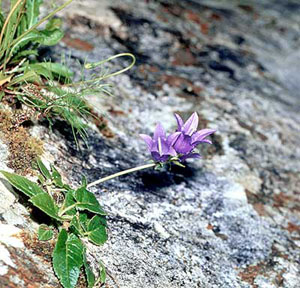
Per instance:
(67,218)
(121,173)
(94,65)
(66,209)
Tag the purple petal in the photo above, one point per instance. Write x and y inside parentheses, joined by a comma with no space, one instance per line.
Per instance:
(190,155)
(190,126)
(147,139)
(183,144)
(158,158)
(206,141)
(159,132)
(200,135)
(155,156)
(172,152)
(179,121)
(172,138)
(154,147)
(163,147)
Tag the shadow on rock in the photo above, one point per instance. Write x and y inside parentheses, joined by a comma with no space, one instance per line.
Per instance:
(154,180)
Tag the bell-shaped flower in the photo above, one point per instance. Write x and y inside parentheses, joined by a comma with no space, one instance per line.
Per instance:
(189,137)
(160,146)
(190,126)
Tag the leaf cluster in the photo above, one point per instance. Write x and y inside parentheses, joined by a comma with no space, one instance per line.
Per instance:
(26,80)
(19,42)
(75,213)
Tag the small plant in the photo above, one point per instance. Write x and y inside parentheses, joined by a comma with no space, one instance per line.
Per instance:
(23,78)
(77,216)
(45,87)
(76,213)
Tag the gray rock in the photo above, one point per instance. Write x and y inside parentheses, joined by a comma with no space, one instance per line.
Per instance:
(229,220)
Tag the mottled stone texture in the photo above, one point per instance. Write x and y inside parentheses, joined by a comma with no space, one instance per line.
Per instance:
(229,220)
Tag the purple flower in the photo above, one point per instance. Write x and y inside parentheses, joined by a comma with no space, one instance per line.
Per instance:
(190,126)
(189,137)
(160,146)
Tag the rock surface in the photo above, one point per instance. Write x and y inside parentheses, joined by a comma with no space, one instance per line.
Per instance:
(229,220)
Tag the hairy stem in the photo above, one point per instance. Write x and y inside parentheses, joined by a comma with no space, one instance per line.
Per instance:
(121,173)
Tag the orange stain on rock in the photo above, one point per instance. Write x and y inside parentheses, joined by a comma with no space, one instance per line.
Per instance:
(78,43)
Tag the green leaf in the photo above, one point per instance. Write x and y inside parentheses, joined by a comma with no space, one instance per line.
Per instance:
(46,203)
(75,226)
(22,26)
(56,177)
(43,169)
(1,17)
(83,220)
(33,36)
(43,37)
(47,69)
(32,11)
(84,182)
(45,232)
(102,272)
(29,76)
(97,231)
(25,53)
(55,68)
(24,185)
(50,37)
(54,23)
(2,94)
(178,164)
(69,201)
(89,273)
(39,70)
(87,201)
(68,258)
(41,179)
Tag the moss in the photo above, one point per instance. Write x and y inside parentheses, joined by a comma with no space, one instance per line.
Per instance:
(43,249)
(23,148)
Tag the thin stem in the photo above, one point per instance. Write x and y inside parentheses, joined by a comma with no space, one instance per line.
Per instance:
(16,69)
(121,173)
(67,218)
(66,209)
(110,275)
(14,31)
(7,19)
(94,65)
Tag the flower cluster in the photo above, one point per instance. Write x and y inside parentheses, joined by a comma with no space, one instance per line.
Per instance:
(179,145)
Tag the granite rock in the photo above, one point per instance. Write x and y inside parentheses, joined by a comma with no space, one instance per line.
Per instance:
(231,219)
